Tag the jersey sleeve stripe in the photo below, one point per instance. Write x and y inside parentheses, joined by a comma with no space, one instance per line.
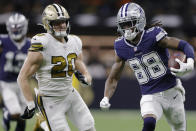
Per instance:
(161,35)
(36,44)
(36,47)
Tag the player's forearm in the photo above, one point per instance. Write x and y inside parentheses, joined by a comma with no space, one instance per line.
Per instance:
(110,87)
(24,84)
(88,77)
(80,66)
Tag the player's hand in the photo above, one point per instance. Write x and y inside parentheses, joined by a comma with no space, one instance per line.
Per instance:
(82,79)
(104,104)
(184,67)
(28,114)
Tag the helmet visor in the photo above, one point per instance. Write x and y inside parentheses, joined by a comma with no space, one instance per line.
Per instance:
(129,24)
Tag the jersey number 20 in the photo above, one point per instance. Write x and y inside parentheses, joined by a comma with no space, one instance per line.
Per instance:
(59,69)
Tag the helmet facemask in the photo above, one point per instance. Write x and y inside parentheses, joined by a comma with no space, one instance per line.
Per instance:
(59,32)
(129,29)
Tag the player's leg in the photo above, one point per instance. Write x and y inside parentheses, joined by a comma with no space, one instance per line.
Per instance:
(12,105)
(79,113)
(175,114)
(21,124)
(151,111)
(6,119)
(53,110)
(40,124)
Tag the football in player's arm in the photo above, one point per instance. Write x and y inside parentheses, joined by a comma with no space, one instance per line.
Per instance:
(145,51)
(54,57)
(13,51)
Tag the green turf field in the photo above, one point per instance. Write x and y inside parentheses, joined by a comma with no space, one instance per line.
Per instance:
(123,120)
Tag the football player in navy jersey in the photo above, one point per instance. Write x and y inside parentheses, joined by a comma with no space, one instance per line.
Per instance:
(13,51)
(145,51)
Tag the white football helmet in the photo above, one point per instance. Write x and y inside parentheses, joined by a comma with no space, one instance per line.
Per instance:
(52,13)
(131,15)
(17,25)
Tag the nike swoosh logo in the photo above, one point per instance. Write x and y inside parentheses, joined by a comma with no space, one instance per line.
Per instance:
(175,96)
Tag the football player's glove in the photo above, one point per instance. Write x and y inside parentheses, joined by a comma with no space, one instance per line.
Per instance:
(104,104)
(28,114)
(184,67)
(82,79)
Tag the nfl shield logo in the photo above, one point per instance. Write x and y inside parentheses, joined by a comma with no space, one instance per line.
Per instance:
(135,49)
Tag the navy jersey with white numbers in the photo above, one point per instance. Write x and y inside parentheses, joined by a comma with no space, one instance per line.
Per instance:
(12,57)
(148,61)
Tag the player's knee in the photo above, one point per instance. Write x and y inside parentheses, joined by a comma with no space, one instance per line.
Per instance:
(149,124)
(91,129)
(179,123)
(181,126)
(89,125)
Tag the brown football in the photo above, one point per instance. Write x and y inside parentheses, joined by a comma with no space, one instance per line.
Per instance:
(176,54)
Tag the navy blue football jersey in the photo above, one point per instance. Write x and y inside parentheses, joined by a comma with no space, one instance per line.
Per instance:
(12,57)
(148,61)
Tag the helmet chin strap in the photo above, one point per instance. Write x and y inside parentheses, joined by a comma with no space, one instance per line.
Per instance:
(130,35)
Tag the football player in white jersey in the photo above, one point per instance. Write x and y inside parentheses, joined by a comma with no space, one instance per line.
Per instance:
(54,57)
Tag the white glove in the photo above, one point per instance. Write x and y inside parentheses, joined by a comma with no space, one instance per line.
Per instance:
(184,67)
(104,104)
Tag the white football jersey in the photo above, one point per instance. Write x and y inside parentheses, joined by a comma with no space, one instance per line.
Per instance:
(55,74)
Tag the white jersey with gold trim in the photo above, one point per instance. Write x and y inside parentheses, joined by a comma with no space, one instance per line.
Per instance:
(55,74)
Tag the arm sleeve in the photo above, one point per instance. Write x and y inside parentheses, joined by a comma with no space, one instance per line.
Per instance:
(160,33)
(186,48)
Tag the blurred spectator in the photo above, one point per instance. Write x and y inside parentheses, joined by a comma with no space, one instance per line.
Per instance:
(95,66)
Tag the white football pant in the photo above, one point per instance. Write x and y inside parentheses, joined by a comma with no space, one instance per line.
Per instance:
(170,103)
(13,98)
(55,110)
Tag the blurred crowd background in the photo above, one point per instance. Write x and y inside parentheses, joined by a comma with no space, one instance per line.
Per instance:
(100,14)
(95,22)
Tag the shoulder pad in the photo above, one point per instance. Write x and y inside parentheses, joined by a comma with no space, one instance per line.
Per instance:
(150,29)
(3,35)
(119,38)
(37,43)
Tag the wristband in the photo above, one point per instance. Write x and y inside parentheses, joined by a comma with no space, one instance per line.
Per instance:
(30,105)
(186,48)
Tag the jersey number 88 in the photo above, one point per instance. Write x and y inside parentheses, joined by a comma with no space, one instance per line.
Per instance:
(150,66)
